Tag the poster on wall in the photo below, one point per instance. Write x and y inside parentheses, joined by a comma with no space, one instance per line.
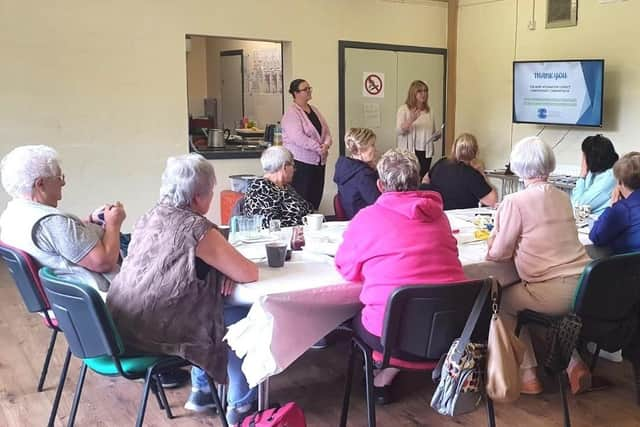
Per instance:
(263,72)
(373,84)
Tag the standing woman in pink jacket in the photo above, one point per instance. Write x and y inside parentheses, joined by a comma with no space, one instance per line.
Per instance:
(306,134)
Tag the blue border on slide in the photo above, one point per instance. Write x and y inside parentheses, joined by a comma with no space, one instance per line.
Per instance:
(592,72)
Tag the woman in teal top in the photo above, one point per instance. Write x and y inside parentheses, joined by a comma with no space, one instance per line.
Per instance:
(596,180)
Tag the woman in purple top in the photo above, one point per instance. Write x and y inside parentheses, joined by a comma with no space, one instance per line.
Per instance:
(306,134)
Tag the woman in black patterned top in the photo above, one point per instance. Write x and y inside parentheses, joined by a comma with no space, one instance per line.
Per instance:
(273,196)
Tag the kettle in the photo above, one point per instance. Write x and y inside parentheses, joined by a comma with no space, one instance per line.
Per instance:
(216,137)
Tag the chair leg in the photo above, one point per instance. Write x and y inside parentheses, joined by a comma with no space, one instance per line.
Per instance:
(76,398)
(154,389)
(594,359)
(491,415)
(216,399)
(562,382)
(222,392)
(47,359)
(347,386)
(145,396)
(635,363)
(371,407)
(63,378)
(163,402)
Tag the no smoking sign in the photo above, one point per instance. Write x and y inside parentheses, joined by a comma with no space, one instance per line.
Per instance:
(373,85)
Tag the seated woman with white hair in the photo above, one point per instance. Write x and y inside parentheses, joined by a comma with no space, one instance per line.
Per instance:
(273,197)
(32,222)
(169,295)
(535,227)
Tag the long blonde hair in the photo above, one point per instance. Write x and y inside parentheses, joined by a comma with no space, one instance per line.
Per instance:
(411,101)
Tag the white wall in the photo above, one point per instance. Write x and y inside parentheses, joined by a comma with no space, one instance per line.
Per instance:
(491,34)
(197,76)
(105,82)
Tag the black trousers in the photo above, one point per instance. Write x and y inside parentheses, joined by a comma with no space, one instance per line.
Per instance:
(308,180)
(425,163)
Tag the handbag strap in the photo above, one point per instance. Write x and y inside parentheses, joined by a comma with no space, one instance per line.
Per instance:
(478,306)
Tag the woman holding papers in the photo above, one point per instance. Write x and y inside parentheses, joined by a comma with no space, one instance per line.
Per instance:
(415,126)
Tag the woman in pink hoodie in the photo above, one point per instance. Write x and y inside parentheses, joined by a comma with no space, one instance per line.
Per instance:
(403,238)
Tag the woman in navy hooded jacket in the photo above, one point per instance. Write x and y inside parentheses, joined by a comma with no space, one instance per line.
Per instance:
(356,175)
(619,225)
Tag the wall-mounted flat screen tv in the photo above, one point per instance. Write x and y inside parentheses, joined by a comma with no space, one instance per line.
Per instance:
(567,92)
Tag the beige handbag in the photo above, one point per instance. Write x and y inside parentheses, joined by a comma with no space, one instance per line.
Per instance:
(504,356)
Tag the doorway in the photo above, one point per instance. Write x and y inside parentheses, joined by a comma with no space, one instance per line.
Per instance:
(373,83)
(232,88)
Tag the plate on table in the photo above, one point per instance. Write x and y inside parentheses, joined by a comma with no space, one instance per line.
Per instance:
(256,239)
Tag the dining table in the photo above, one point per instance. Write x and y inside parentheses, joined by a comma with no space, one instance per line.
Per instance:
(294,306)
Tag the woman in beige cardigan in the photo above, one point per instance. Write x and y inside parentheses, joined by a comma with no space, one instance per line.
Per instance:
(415,126)
(535,227)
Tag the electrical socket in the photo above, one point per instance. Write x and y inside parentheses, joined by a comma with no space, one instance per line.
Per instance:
(532,25)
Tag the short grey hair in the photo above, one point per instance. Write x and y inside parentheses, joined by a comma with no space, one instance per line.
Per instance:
(275,158)
(24,165)
(186,177)
(399,170)
(532,158)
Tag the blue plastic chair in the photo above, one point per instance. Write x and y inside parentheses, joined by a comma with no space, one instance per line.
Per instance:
(92,337)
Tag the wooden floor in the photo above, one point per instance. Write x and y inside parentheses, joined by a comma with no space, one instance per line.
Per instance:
(315,381)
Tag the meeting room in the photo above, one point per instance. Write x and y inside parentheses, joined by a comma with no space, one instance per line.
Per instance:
(319,213)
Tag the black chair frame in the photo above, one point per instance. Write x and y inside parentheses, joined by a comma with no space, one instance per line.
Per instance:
(420,305)
(23,269)
(608,303)
(74,302)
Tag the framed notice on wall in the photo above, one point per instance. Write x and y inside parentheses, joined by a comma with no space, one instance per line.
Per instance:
(562,13)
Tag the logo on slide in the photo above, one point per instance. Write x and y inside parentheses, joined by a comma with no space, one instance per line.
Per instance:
(542,113)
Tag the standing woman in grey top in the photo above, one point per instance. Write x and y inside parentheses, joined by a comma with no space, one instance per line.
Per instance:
(415,125)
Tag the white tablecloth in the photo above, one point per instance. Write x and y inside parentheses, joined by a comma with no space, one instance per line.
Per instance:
(294,306)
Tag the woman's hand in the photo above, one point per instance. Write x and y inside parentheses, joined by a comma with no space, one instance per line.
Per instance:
(413,116)
(616,194)
(227,287)
(583,167)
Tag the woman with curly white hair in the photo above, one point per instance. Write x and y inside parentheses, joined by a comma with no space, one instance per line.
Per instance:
(169,295)
(535,227)
(76,248)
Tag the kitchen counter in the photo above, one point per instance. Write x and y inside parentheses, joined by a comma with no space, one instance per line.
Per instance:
(238,149)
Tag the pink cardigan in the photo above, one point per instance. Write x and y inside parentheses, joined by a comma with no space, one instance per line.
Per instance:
(301,137)
(404,238)
(536,228)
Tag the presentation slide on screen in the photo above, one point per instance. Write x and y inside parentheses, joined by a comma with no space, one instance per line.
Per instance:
(558,92)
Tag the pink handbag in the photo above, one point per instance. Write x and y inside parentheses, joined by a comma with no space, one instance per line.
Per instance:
(288,415)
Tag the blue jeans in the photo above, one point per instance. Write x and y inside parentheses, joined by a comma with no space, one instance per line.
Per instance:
(239,393)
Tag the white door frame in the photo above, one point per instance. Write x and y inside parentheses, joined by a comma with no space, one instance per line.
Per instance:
(345,44)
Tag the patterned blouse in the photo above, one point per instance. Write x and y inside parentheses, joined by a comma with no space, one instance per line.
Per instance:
(265,198)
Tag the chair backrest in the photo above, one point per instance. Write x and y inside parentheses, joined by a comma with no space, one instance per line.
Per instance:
(608,300)
(24,270)
(340,214)
(423,320)
(83,317)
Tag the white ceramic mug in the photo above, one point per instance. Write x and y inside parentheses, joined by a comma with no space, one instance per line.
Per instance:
(313,221)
